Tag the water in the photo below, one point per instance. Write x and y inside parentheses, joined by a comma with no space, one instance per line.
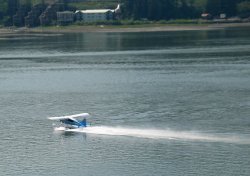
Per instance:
(165,103)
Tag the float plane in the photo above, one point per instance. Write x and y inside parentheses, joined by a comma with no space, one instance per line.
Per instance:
(72,122)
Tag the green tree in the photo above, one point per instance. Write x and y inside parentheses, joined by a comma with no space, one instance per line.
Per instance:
(3,8)
(12,7)
(139,9)
(243,8)
(169,9)
(215,7)
(229,7)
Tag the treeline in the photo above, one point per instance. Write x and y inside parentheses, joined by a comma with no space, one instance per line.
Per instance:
(183,9)
(142,9)
(8,9)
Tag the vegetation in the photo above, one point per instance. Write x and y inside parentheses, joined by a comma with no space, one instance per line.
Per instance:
(244,8)
(136,23)
(111,4)
(184,9)
(143,10)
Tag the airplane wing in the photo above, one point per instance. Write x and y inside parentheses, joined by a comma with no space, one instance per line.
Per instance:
(82,115)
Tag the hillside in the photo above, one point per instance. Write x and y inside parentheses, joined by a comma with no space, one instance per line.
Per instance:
(135,10)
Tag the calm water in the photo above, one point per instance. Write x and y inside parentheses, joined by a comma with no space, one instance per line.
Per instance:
(166,103)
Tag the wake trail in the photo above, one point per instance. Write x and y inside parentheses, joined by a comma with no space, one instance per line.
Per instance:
(163,134)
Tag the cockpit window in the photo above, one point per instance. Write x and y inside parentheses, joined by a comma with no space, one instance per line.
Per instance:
(70,120)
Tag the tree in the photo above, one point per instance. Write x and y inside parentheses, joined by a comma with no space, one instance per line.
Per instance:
(229,7)
(139,9)
(12,7)
(3,8)
(127,8)
(243,8)
(213,7)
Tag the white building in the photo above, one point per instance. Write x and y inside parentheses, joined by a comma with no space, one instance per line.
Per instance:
(96,15)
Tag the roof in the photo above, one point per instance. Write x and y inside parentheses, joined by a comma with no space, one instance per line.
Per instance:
(95,11)
(205,14)
(65,12)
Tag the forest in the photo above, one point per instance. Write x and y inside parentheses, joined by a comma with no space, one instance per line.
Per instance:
(153,10)
(183,9)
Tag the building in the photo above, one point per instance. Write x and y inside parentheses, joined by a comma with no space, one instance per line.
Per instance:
(18,18)
(32,19)
(97,15)
(206,16)
(223,16)
(49,15)
(65,17)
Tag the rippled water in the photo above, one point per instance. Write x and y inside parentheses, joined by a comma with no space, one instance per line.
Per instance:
(165,103)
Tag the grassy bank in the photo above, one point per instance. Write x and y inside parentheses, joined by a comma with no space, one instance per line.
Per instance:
(124,27)
(132,28)
(141,23)
(126,24)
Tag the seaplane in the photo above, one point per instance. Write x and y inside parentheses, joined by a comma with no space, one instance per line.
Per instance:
(71,121)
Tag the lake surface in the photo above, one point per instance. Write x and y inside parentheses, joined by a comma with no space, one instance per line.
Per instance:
(165,103)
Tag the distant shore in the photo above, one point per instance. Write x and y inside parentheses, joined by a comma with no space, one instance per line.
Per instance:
(120,28)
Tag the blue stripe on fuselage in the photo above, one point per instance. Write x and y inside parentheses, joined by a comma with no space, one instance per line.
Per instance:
(71,122)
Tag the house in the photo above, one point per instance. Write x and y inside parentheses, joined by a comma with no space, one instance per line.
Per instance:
(49,15)
(206,16)
(32,19)
(223,16)
(65,17)
(96,15)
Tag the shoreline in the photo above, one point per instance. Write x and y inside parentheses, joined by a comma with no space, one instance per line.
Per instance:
(119,29)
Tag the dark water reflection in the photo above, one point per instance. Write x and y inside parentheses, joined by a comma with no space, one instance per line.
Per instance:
(127,41)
